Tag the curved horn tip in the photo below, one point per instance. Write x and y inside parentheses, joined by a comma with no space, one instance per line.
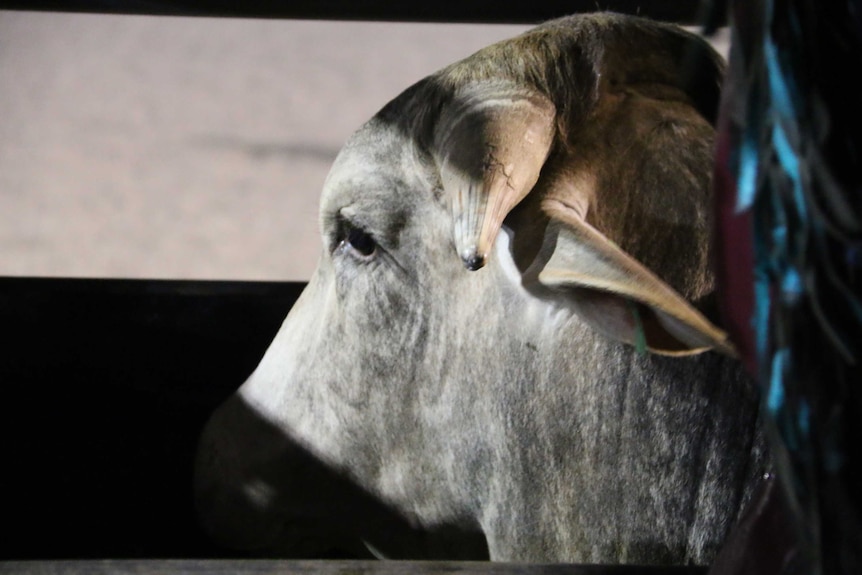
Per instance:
(473,261)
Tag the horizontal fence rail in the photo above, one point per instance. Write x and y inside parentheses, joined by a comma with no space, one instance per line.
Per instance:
(489,11)
(277,567)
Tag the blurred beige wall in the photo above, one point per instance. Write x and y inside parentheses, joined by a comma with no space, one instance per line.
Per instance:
(152,147)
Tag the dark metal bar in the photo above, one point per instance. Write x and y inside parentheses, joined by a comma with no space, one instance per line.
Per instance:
(273,567)
(487,11)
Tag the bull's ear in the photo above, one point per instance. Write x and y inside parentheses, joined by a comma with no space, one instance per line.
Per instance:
(628,201)
(616,294)
(490,143)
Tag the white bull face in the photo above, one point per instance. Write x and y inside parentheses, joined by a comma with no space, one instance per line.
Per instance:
(517,402)
(368,371)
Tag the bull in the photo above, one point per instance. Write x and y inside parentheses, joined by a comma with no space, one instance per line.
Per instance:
(508,345)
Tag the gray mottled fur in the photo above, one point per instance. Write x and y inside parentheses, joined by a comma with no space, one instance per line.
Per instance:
(481,399)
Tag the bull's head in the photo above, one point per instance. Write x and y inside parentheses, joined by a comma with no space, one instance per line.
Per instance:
(569,171)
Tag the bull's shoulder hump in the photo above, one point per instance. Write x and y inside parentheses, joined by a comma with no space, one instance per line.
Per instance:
(572,61)
(538,58)
(578,56)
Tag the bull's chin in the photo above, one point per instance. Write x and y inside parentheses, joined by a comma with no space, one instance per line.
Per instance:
(295,539)
(310,540)
(253,541)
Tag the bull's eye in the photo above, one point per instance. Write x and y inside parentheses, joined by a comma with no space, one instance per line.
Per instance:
(361,241)
(356,241)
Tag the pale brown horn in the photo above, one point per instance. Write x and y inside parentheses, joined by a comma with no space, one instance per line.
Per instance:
(490,144)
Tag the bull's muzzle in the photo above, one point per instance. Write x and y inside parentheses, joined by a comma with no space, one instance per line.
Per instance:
(234,501)
(258,490)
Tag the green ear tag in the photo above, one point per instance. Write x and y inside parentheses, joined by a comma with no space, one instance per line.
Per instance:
(640,335)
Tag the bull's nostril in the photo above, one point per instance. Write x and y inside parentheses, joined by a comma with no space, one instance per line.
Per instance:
(474,262)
